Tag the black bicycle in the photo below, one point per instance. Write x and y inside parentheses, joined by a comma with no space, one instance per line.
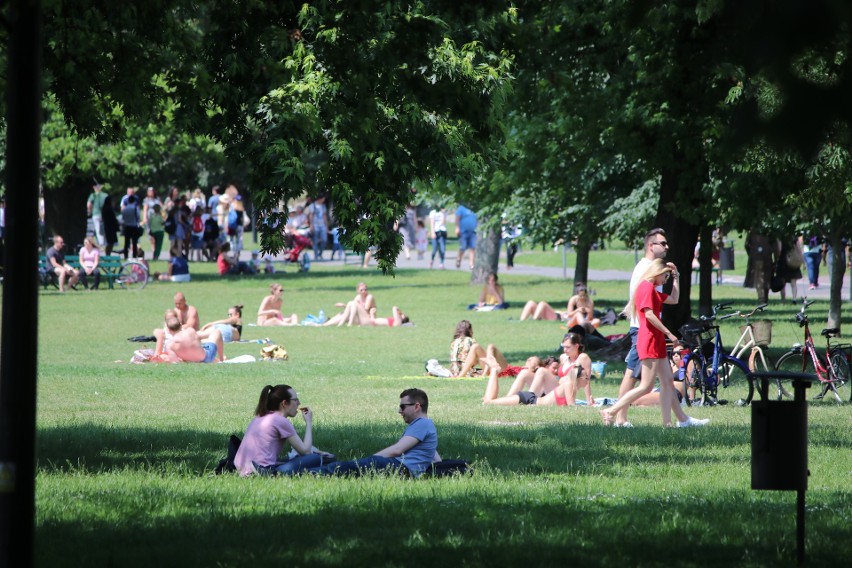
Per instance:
(710,371)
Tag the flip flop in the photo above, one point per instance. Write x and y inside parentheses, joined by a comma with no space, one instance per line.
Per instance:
(608,419)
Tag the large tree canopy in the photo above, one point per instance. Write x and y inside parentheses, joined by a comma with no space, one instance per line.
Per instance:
(385,92)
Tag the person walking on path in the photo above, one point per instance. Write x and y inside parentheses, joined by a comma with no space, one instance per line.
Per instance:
(438,230)
(94,206)
(656,247)
(466,223)
(646,304)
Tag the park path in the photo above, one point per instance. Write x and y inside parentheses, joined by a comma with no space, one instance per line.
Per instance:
(594,275)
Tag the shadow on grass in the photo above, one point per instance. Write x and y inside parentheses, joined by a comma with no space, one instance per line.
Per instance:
(509,443)
(517,508)
(436,525)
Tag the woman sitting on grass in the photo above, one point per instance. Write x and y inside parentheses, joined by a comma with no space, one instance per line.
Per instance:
(492,296)
(466,355)
(269,313)
(270,429)
(231,327)
(573,372)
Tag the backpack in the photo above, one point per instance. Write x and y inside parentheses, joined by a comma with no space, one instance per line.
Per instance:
(211,229)
(197,224)
(233,222)
(227,463)
(169,226)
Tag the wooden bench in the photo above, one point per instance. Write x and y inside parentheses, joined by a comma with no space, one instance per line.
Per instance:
(358,257)
(696,272)
(109,266)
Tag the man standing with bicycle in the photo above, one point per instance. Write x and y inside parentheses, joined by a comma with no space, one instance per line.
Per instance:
(656,247)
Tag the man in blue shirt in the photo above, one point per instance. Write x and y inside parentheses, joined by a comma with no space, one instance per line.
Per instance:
(415,451)
(466,232)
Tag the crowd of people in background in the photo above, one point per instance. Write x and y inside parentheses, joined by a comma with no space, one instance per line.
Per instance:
(149,224)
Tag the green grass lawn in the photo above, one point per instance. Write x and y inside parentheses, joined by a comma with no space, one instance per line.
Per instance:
(126,452)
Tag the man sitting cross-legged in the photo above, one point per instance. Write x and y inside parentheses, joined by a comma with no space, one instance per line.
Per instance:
(414,452)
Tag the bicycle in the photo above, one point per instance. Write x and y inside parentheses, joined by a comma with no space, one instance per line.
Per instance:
(832,368)
(132,275)
(708,366)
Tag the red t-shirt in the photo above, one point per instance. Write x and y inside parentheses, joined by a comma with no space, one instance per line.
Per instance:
(651,343)
(222,264)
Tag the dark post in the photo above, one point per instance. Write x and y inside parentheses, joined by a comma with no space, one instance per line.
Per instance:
(20,293)
(779,444)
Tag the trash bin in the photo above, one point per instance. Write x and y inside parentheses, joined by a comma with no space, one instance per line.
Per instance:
(779,445)
(726,257)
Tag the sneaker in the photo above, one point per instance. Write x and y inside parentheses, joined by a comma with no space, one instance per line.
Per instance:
(624,425)
(436,370)
(693,422)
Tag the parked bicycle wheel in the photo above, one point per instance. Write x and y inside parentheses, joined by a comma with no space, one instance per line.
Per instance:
(794,361)
(734,386)
(694,382)
(132,276)
(840,366)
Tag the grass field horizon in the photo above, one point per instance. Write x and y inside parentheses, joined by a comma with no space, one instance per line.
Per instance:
(126,452)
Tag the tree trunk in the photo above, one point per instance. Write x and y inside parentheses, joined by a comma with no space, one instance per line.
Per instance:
(681,235)
(705,277)
(487,253)
(581,268)
(65,212)
(838,269)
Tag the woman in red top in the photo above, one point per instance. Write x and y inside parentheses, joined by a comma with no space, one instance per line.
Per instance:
(648,302)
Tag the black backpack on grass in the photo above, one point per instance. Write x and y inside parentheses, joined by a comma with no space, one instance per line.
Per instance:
(227,464)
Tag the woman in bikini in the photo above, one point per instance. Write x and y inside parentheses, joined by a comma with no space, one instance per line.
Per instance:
(231,327)
(356,314)
(647,302)
(547,389)
(269,313)
(351,314)
(580,310)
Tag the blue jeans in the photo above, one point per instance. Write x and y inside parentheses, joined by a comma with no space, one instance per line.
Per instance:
(632,358)
(439,245)
(359,466)
(320,240)
(812,259)
(294,466)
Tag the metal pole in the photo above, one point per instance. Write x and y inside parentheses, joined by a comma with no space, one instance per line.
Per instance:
(19,342)
(800,527)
